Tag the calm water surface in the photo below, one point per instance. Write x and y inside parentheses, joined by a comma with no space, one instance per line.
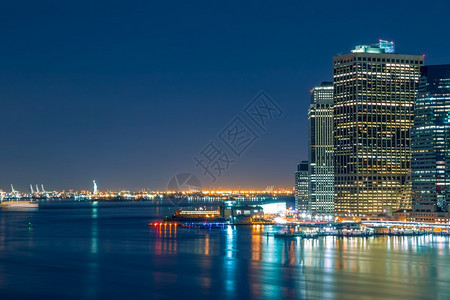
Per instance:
(75,252)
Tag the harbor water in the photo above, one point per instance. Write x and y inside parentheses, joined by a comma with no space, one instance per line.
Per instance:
(79,251)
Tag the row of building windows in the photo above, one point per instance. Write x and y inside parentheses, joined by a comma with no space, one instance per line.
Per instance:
(378,59)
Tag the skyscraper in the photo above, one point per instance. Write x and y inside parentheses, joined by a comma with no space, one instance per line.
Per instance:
(321,159)
(431,146)
(374,93)
(301,187)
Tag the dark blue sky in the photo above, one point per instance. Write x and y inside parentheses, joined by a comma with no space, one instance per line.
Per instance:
(127,93)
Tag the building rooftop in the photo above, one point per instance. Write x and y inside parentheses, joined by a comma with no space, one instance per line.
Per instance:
(383,46)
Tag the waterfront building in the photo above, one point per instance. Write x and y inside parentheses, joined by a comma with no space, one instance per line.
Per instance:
(301,188)
(320,151)
(431,146)
(374,94)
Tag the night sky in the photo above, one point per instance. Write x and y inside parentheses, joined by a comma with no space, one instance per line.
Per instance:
(128,93)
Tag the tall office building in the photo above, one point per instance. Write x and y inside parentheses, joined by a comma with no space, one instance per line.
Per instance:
(431,146)
(374,94)
(321,159)
(301,187)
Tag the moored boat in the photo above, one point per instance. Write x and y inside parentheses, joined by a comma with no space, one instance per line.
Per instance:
(20,204)
(310,235)
(288,235)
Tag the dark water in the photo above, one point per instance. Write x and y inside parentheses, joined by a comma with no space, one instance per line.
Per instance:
(110,252)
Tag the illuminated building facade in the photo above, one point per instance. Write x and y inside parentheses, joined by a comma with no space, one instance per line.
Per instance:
(321,159)
(374,94)
(301,187)
(431,146)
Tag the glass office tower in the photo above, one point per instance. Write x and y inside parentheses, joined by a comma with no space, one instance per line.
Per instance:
(301,188)
(321,159)
(374,94)
(431,146)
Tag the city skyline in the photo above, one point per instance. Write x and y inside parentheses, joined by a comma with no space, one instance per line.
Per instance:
(230,150)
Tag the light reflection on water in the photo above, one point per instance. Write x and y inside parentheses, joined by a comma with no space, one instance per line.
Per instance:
(111,252)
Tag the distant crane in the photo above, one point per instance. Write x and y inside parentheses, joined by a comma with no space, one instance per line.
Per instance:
(37,189)
(31,188)
(42,188)
(12,189)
